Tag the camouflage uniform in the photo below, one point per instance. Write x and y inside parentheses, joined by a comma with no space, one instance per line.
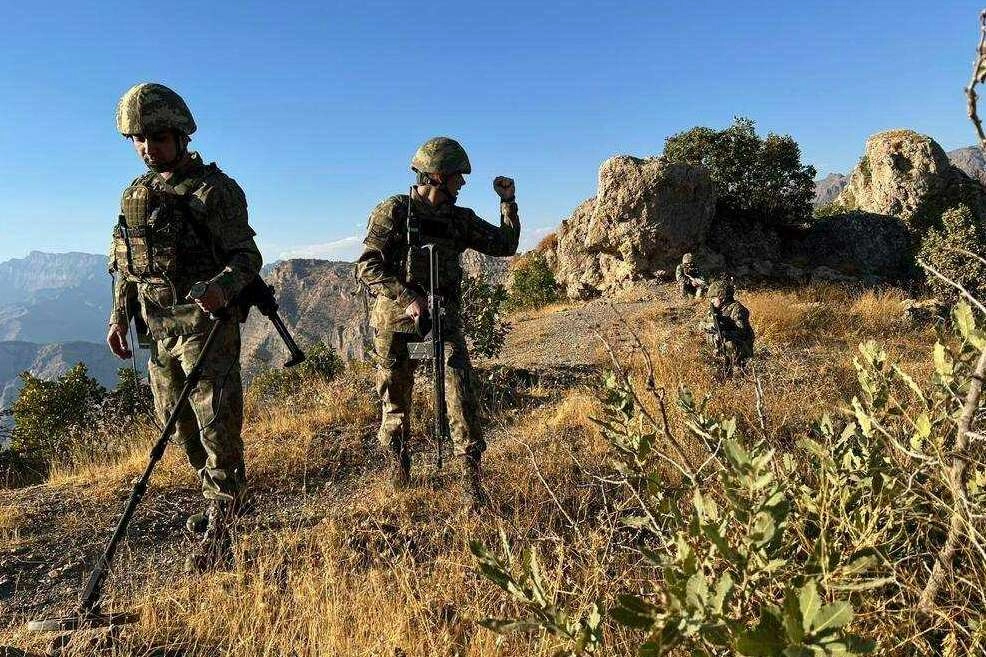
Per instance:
(690,283)
(385,268)
(727,328)
(171,235)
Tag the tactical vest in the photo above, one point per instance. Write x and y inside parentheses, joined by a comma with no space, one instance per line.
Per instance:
(442,231)
(161,245)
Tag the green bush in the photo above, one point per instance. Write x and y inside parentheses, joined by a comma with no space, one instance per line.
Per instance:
(482,320)
(943,249)
(755,552)
(752,174)
(828,210)
(532,283)
(54,418)
(322,363)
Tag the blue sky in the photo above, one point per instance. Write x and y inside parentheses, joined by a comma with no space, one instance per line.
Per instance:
(316,108)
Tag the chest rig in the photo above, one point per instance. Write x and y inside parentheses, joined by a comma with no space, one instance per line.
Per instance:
(442,230)
(152,233)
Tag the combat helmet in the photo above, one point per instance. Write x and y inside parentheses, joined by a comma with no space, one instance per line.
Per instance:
(686,259)
(441,155)
(149,107)
(721,290)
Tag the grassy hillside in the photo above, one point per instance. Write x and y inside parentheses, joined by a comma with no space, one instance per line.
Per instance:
(332,562)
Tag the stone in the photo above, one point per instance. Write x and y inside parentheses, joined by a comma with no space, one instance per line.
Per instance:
(862,245)
(907,175)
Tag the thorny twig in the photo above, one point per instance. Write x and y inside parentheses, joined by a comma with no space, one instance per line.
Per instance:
(978,76)
(544,483)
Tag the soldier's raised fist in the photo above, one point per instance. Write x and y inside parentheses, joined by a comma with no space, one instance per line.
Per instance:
(504,187)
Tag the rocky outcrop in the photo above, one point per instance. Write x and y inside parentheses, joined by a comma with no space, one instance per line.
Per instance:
(828,188)
(972,162)
(478,265)
(319,303)
(645,215)
(907,175)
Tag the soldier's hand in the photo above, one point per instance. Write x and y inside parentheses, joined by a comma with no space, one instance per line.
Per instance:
(211,300)
(117,341)
(417,308)
(504,187)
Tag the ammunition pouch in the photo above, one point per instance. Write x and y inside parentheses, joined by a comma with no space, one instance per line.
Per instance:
(145,240)
(181,319)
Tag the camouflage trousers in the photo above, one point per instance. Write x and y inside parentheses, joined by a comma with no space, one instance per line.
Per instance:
(395,383)
(209,425)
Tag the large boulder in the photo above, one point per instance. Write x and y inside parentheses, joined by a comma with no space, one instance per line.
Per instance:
(907,175)
(576,270)
(648,213)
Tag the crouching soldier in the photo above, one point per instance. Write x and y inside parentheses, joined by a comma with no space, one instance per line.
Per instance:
(727,327)
(690,281)
(183,224)
(397,273)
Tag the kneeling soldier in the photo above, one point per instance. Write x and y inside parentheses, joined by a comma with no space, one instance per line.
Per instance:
(727,327)
(184,223)
(398,274)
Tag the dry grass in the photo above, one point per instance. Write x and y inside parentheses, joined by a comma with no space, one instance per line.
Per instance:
(13,520)
(387,573)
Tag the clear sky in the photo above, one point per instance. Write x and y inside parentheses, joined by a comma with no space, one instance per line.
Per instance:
(316,107)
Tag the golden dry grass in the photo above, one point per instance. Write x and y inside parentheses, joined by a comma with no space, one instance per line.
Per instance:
(386,573)
(13,520)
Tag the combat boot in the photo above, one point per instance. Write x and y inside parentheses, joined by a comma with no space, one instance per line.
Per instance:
(215,550)
(400,475)
(474,494)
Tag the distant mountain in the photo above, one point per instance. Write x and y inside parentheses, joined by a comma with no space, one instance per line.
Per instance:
(48,361)
(971,160)
(54,297)
(319,303)
(827,188)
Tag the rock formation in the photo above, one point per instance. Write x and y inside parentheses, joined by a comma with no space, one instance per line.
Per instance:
(907,175)
(319,302)
(828,188)
(646,213)
(971,160)
(861,245)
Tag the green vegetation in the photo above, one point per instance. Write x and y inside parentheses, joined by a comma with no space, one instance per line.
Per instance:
(764,176)
(532,283)
(322,364)
(828,210)
(946,249)
(821,550)
(483,305)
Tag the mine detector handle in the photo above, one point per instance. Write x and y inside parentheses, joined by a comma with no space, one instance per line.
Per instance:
(92,594)
(256,294)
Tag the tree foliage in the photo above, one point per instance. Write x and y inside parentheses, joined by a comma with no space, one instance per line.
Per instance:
(532,283)
(482,315)
(752,174)
(322,363)
(947,248)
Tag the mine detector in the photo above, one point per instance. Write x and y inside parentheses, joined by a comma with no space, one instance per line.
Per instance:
(90,613)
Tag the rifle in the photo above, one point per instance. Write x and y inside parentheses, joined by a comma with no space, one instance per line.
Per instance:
(433,348)
(719,341)
(89,613)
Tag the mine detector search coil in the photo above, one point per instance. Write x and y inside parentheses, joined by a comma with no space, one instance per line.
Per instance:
(431,331)
(89,613)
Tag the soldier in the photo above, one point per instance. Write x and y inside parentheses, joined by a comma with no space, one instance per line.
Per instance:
(727,327)
(184,224)
(398,276)
(690,282)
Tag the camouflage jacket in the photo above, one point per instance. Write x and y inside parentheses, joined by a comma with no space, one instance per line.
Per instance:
(396,276)
(691,273)
(210,239)
(733,321)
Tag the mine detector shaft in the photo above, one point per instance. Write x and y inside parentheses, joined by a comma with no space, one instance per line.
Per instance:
(432,347)
(89,614)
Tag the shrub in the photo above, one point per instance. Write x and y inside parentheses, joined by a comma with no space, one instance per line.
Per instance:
(532,283)
(942,248)
(752,174)
(322,363)
(482,321)
(828,210)
(758,553)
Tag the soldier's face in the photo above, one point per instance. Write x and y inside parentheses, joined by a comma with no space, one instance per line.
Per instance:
(158,149)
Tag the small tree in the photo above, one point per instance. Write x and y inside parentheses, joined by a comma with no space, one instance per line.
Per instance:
(532,284)
(752,174)
(482,305)
(50,415)
(946,249)
(322,363)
